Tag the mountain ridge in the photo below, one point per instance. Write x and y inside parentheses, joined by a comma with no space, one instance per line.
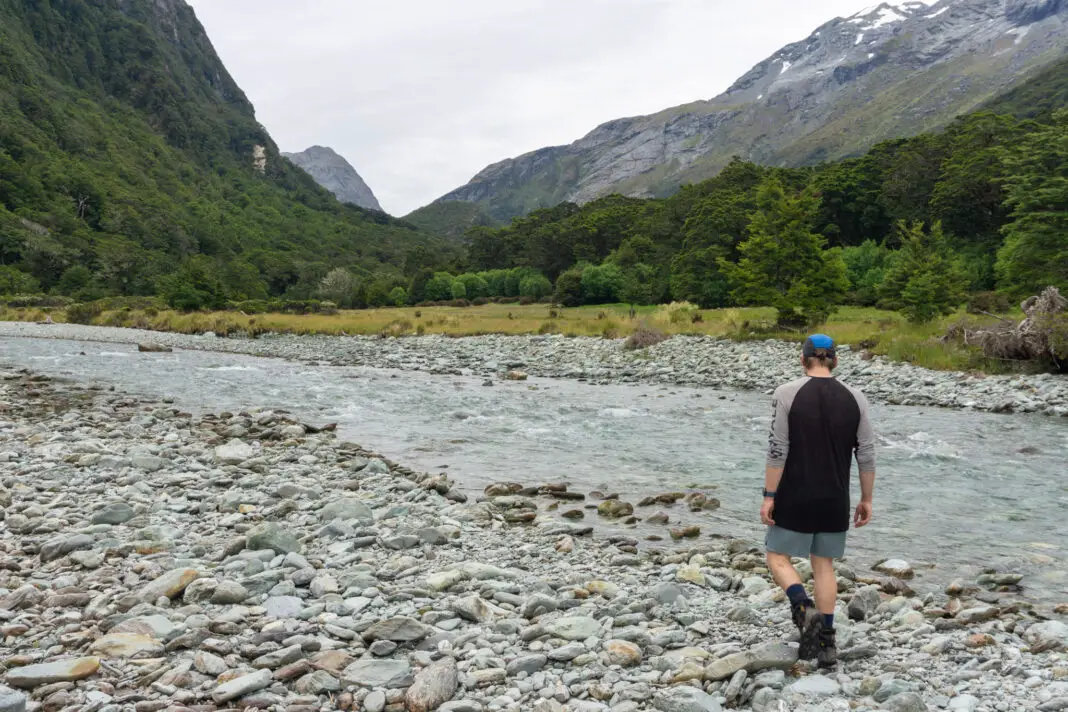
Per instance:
(888,71)
(131,163)
(336,174)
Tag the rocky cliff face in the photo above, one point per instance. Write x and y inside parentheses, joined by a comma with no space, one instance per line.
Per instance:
(888,71)
(336,175)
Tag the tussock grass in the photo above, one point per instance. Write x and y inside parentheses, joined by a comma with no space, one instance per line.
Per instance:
(880,332)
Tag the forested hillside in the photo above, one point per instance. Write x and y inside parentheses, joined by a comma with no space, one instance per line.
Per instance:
(132,164)
(980,206)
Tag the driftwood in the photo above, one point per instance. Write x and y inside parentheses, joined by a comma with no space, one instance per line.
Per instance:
(1041,336)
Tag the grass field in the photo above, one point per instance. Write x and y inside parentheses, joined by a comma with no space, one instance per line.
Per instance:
(881,332)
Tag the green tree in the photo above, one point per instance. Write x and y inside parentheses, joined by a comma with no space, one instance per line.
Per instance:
(602,284)
(923,281)
(474,285)
(535,286)
(640,285)
(15,281)
(569,287)
(398,297)
(783,263)
(1035,253)
(459,291)
(439,288)
(337,286)
(865,266)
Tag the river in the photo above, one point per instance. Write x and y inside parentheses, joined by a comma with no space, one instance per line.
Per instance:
(957,491)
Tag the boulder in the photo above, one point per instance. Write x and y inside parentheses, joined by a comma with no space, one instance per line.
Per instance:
(70,670)
(434,686)
(151,347)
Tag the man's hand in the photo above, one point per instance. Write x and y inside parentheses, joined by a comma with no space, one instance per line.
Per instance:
(766,511)
(863,515)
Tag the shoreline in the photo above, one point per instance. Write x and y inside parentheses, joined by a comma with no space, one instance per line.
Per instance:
(689,361)
(225,557)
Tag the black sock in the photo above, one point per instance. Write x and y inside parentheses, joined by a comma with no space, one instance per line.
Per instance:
(828,621)
(797,595)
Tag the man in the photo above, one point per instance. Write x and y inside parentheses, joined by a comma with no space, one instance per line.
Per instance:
(818,425)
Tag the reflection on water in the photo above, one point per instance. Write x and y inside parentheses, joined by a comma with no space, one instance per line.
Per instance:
(953,487)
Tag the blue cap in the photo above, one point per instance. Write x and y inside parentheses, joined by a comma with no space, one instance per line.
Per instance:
(818,342)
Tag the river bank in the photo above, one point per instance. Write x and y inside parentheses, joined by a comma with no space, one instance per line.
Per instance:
(683,360)
(157,560)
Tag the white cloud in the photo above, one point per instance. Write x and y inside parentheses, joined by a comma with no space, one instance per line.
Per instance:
(420,95)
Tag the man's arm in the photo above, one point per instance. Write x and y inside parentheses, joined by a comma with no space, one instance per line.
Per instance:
(865,452)
(778,442)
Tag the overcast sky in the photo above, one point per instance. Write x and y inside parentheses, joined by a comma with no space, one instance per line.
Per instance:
(419,95)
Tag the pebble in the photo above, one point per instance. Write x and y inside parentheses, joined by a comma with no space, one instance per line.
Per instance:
(249,583)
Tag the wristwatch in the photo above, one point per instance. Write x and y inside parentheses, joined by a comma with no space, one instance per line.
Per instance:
(769,495)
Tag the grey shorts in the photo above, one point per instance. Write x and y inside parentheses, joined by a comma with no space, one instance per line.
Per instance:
(784,541)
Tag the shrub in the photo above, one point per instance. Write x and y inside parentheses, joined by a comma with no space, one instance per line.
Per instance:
(535,286)
(15,281)
(398,297)
(480,301)
(610,329)
(644,337)
(42,301)
(526,301)
(602,285)
(458,303)
(475,285)
(84,313)
(547,327)
(328,308)
(680,312)
(988,302)
(569,287)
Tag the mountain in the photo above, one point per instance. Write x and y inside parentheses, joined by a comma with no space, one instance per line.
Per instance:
(336,175)
(450,220)
(888,71)
(131,163)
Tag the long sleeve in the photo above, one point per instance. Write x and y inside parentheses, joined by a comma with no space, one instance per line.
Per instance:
(779,437)
(865,437)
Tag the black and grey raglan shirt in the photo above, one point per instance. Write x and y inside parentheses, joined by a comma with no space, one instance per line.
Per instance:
(818,426)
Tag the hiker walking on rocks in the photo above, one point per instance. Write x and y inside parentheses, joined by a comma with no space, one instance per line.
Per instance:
(818,426)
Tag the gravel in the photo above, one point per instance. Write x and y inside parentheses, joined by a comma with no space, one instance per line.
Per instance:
(244,584)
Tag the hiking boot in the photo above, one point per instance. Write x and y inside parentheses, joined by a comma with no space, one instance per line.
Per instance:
(809,624)
(828,655)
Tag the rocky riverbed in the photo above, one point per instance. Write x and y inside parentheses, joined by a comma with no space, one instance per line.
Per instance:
(153,560)
(684,361)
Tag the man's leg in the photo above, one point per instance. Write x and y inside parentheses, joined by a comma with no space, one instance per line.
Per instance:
(826,548)
(781,545)
(826,586)
(782,569)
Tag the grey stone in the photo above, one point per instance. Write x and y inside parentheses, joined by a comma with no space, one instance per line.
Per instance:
(433,686)
(814,686)
(241,686)
(399,630)
(11,700)
(573,627)
(375,702)
(68,670)
(115,513)
(685,699)
(529,664)
(905,702)
(60,546)
(761,657)
(864,602)
(274,537)
(283,606)
(390,674)
(234,453)
(347,509)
